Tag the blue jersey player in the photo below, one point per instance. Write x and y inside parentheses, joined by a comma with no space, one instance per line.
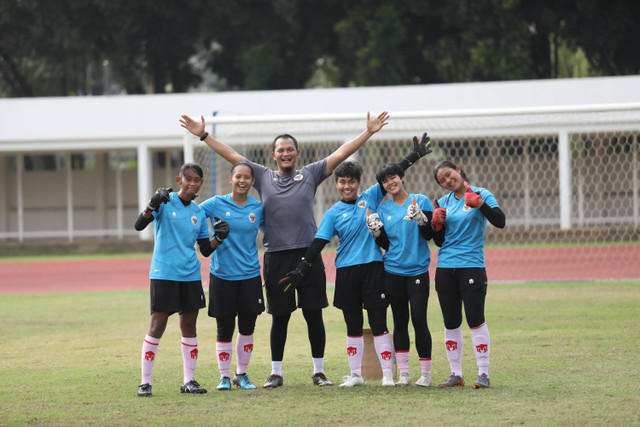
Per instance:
(235,285)
(459,222)
(175,270)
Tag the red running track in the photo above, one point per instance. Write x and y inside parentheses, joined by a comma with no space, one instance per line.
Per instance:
(503,265)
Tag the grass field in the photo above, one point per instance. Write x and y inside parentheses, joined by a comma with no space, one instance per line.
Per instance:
(562,354)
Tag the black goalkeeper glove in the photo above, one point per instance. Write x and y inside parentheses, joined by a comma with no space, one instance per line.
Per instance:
(160,196)
(293,278)
(221,229)
(420,149)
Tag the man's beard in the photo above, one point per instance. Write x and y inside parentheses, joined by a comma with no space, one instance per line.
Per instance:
(287,170)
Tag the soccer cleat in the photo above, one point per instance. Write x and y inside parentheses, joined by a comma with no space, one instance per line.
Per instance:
(352,381)
(424,381)
(225,384)
(274,381)
(320,380)
(387,380)
(482,381)
(242,381)
(144,390)
(452,381)
(192,387)
(404,379)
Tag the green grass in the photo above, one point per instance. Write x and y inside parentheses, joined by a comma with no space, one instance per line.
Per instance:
(562,354)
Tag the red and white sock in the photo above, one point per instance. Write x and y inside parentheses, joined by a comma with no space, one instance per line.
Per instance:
(453,345)
(355,345)
(244,348)
(224,351)
(384,350)
(482,347)
(402,357)
(425,366)
(189,357)
(149,351)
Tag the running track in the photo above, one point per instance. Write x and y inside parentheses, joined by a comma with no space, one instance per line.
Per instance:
(503,265)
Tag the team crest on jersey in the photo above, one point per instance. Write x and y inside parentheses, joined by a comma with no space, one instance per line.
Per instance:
(228,213)
(389,218)
(362,204)
(466,208)
(298,177)
(173,213)
(344,215)
(194,220)
(252,218)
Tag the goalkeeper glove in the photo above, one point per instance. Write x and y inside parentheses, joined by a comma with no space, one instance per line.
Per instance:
(294,277)
(221,229)
(439,216)
(414,213)
(374,224)
(420,149)
(160,196)
(471,198)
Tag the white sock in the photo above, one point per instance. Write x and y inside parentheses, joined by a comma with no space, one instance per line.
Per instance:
(384,350)
(244,348)
(276,367)
(149,351)
(482,347)
(354,354)
(318,364)
(189,357)
(453,345)
(224,351)
(402,357)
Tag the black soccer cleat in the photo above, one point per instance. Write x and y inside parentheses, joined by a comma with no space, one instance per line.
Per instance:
(482,381)
(144,390)
(274,381)
(453,381)
(192,387)
(320,380)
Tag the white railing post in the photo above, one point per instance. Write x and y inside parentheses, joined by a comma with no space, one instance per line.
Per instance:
(144,185)
(564,181)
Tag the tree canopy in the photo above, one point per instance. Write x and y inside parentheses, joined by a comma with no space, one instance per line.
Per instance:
(85,47)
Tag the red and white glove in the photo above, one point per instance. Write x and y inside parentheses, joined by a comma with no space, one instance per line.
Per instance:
(439,216)
(471,198)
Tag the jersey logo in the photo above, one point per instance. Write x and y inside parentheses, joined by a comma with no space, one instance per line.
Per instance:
(173,213)
(466,208)
(227,213)
(252,218)
(298,177)
(389,218)
(362,204)
(194,220)
(344,215)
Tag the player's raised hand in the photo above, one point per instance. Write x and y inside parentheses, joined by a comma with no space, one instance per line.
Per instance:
(193,126)
(414,213)
(221,229)
(374,125)
(470,198)
(439,216)
(160,196)
(423,147)
(374,224)
(293,278)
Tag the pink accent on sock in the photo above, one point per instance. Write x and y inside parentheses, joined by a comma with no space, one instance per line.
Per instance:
(402,357)
(425,366)
(244,348)
(189,357)
(224,351)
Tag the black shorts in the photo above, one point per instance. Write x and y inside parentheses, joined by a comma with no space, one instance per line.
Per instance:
(176,297)
(312,291)
(231,297)
(360,285)
(407,286)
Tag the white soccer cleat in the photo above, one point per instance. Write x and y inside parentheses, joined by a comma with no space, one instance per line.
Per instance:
(387,380)
(404,379)
(424,381)
(352,381)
